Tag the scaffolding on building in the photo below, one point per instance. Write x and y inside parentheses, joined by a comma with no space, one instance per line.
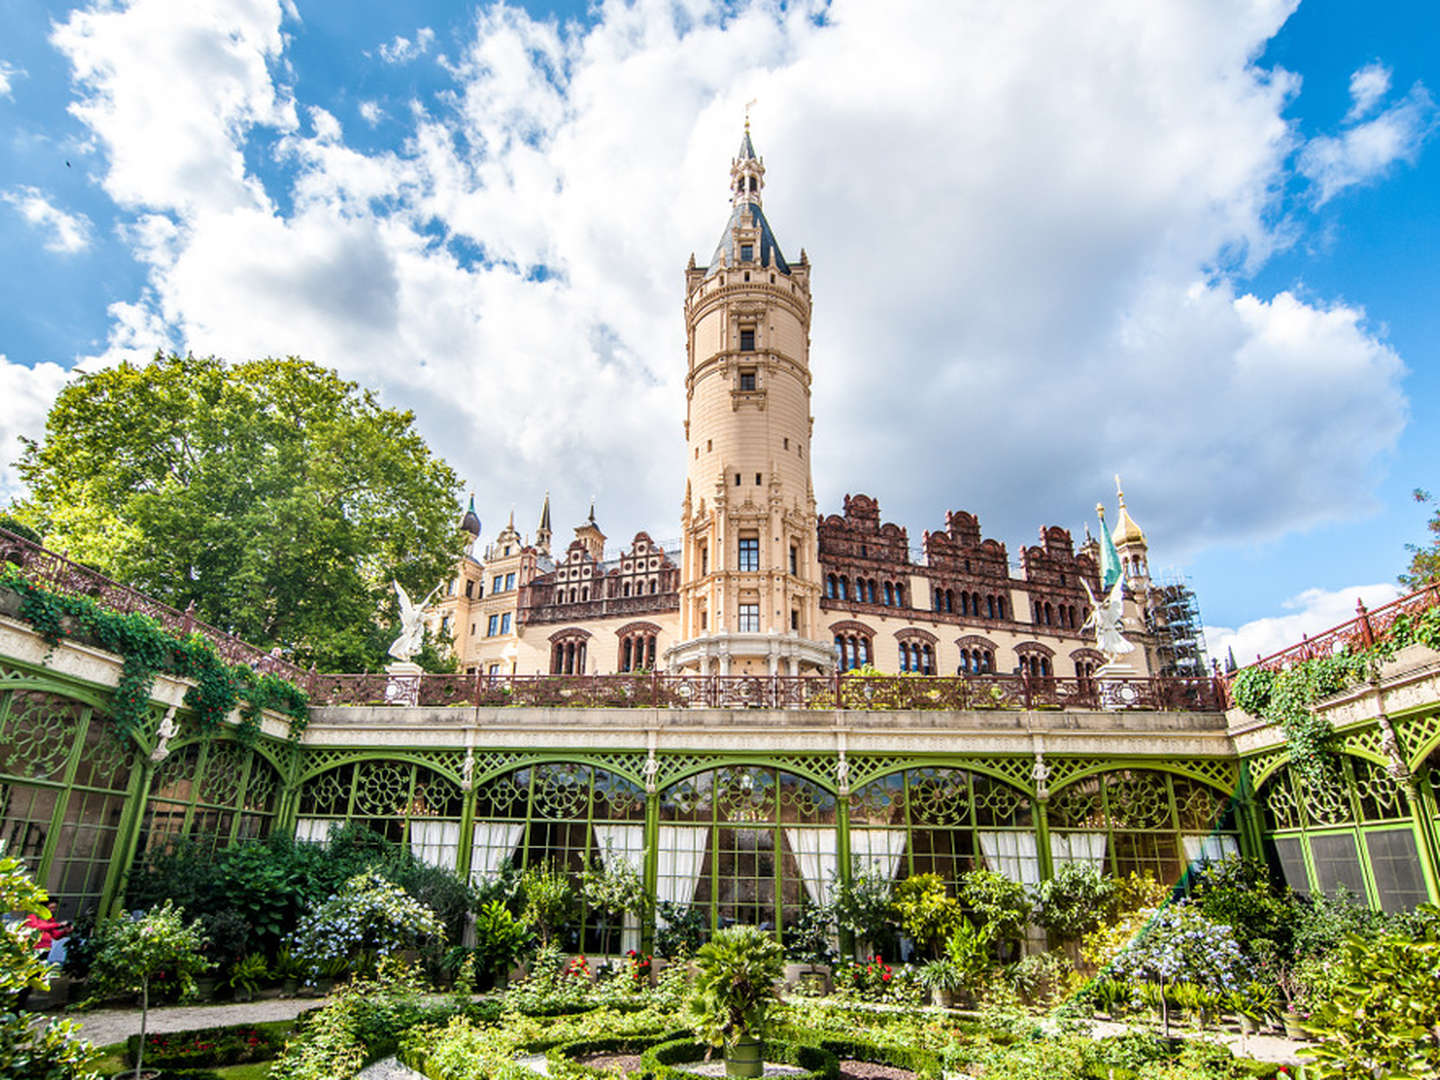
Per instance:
(1173,616)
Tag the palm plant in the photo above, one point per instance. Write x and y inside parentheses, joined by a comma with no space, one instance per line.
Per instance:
(734,994)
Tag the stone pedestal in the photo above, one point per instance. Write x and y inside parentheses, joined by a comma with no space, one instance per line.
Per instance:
(1116,683)
(403,687)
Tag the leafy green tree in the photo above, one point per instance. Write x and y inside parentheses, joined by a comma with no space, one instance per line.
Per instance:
(734,990)
(925,911)
(274,496)
(50,1051)
(1424,561)
(132,952)
(1072,902)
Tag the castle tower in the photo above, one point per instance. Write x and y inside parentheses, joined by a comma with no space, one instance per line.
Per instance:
(750,580)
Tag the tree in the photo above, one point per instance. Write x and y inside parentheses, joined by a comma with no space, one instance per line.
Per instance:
(1424,562)
(132,952)
(50,1051)
(277,498)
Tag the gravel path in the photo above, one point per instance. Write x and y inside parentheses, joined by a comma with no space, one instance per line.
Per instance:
(106,1026)
(388,1069)
(1274,1048)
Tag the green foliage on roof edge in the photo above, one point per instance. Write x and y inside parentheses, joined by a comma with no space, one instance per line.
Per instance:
(1287,698)
(147,650)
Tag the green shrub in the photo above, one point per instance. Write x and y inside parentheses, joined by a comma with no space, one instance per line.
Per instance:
(925,911)
(679,930)
(207,1047)
(1382,1018)
(1073,901)
(500,941)
(547,900)
(1001,905)
(49,1051)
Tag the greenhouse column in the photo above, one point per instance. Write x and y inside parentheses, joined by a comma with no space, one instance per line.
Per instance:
(467,824)
(1247,813)
(127,836)
(1422,822)
(842,850)
(651,878)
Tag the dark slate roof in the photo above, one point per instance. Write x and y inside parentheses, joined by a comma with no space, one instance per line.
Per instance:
(747,148)
(471,521)
(770,255)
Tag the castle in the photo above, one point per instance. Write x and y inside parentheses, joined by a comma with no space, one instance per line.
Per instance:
(759,583)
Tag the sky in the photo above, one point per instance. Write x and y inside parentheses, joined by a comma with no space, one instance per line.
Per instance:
(1187,242)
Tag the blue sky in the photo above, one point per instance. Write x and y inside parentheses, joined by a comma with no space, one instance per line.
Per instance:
(1191,243)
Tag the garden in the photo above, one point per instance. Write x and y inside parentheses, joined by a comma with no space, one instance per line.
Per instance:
(1082,976)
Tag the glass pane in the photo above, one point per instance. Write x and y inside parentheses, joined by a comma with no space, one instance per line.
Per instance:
(1337,864)
(1291,857)
(1395,864)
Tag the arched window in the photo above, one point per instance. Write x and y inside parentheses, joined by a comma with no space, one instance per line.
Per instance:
(964,603)
(830,586)
(889,594)
(585,593)
(899,595)
(904,656)
(1000,606)
(939,603)
(844,587)
(625,655)
(990,607)
(975,604)
(950,600)
(1049,614)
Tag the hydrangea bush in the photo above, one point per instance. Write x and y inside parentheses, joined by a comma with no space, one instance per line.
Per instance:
(370,916)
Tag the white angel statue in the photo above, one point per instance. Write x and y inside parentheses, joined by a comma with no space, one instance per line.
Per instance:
(412,628)
(1105,618)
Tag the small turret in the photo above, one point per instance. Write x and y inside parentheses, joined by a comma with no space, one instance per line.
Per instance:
(1132,547)
(542,534)
(470,525)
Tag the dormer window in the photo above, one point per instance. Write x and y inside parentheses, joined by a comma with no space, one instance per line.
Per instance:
(747,339)
(747,253)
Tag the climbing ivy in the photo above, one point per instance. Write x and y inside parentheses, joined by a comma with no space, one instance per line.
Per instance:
(147,649)
(1287,698)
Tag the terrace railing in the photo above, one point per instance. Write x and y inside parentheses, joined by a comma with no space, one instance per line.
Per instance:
(1367,627)
(873,692)
(45,567)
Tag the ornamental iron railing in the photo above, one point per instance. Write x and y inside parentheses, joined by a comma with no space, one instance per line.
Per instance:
(54,571)
(1363,631)
(871,692)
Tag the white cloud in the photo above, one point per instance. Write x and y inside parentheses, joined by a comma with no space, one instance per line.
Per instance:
(1365,151)
(66,233)
(1020,227)
(1311,612)
(1367,86)
(28,393)
(371,112)
(401,50)
(8,74)
(172,91)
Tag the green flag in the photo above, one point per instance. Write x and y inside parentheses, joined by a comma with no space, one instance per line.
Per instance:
(1109,558)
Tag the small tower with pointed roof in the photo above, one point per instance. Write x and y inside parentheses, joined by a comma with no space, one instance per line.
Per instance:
(542,534)
(591,537)
(1132,547)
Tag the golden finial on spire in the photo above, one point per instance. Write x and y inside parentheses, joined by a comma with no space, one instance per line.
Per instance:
(748,104)
(1119,492)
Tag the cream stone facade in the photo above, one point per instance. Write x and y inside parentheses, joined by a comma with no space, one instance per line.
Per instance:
(759,582)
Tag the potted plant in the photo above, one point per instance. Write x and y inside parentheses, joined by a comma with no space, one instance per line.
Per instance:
(245,976)
(944,979)
(734,993)
(286,968)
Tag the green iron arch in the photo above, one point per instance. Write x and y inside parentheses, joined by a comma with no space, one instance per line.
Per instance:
(1175,768)
(760,761)
(524,761)
(412,757)
(85,695)
(941,761)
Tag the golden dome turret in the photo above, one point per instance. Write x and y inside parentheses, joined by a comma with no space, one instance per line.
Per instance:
(1126,531)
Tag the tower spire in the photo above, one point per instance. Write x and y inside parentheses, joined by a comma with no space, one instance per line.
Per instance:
(747,169)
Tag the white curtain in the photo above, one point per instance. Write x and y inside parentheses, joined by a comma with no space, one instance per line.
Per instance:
(494,843)
(680,855)
(316,830)
(626,844)
(1204,849)
(818,855)
(877,850)
(435,843)
(1014,854)
(1078,847)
